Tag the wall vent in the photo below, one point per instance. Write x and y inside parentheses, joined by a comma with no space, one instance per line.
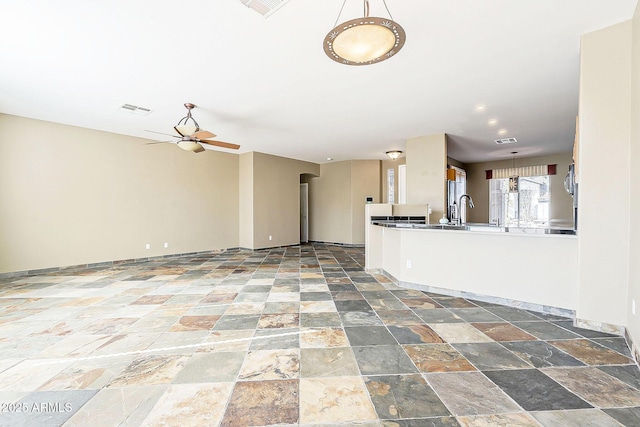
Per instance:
(265,7)
(141,111)
(506,141)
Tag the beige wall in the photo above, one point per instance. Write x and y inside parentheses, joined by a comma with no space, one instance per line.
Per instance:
(365,181)
(330,204)
(453,162)
(634,165)
(337,200)
(276,199)
(561,206)
(75,196)
(246,200)
(604,192)
(426,172)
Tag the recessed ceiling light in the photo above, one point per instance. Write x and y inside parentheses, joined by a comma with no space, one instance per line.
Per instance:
(481,107)
(502,132)
(492,122)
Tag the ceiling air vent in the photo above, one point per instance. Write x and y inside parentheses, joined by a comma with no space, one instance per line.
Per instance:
(265,7)
(506,141)
(141,111)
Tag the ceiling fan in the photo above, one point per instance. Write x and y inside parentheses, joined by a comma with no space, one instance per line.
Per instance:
(191,136)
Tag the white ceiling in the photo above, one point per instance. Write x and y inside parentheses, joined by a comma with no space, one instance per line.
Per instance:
(266,84)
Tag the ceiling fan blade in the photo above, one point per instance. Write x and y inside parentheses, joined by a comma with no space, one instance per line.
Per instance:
(221,144)
(160,133)
(203,134)
(200,149)
(158,142)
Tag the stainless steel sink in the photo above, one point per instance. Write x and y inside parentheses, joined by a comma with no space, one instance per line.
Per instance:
(486,227)
(445,226)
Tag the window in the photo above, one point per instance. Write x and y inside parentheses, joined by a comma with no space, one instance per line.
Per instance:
(455,189)
(391,187)
(526,207)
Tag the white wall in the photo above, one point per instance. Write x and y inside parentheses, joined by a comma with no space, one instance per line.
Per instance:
(634,166)
(500,265)
(604,202)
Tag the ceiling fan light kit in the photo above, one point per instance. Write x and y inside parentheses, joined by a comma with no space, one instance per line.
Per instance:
(191,136)
(184,128)
(189,145)
(364,41)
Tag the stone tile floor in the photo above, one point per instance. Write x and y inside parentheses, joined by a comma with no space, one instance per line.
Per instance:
(292,336)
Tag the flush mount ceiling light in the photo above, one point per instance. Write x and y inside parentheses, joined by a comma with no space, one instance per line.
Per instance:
(365,40)
(394,154)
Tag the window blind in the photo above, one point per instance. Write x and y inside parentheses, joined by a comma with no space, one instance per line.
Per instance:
(539,170)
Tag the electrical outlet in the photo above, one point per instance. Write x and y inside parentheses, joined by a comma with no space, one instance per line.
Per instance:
(148,246)
(270,237)
(166,245)
(408,263)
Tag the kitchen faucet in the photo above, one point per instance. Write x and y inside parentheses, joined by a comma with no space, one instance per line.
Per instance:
(471,205)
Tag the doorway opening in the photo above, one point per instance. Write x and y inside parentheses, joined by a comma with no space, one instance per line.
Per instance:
(304,212)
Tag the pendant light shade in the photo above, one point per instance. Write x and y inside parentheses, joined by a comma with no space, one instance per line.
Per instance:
(186,130)
(189,145)
(364,41)
(187,125)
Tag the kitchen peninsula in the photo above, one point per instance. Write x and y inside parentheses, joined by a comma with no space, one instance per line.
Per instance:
(525,268)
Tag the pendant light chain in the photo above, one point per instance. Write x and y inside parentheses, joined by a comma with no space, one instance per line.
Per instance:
(339,13)
(385,6)
(366,10)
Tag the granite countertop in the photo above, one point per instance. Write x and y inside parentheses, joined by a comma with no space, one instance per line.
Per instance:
(420,223)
